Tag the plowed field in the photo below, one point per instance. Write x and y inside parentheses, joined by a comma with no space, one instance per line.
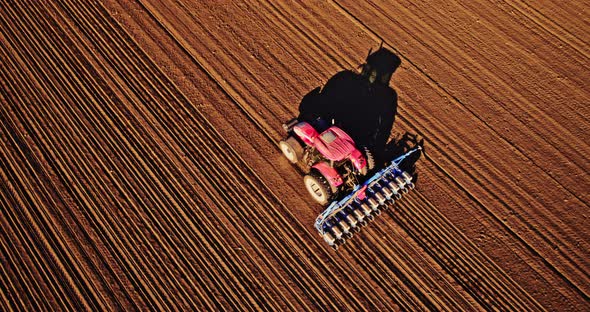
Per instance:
(139,165)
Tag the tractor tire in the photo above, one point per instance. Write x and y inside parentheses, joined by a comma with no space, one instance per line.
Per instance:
(370,160)
(318,187)
(292,149)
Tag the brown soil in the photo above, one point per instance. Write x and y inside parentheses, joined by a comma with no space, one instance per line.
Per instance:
(139,164)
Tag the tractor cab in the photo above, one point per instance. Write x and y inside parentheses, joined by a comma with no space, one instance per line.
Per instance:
(380,65)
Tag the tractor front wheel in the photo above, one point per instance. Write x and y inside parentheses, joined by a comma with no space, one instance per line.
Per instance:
(292,149)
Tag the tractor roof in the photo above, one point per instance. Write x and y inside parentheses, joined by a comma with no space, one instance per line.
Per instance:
(384,61)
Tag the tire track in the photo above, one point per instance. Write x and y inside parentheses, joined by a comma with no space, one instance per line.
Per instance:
(497,218)
(566,173)
(540,55)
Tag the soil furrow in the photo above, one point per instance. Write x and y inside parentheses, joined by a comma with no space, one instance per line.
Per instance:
(561,216)
(139,166)
(84,273)
(156,166)
(33,118)
(568,28)
(18,276)
(545,159)
(48,246)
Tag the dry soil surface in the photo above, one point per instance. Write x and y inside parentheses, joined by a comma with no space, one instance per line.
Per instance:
(139,166)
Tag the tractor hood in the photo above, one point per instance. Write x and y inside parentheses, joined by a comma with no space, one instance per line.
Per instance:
(335,144)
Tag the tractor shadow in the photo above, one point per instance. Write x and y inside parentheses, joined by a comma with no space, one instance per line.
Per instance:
(361,103)
(402,144)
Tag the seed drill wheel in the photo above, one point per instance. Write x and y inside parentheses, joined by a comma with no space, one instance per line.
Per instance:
(292,149)
(318,187)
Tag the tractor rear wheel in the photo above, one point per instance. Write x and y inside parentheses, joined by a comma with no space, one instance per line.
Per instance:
(292,149)
(370,160)
(318,187)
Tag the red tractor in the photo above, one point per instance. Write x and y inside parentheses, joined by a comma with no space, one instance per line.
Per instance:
(340,171)
(333,161)
(341,176)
